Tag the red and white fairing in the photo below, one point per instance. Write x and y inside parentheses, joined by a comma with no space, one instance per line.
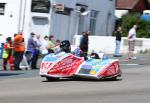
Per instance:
(69,65)
(60,65)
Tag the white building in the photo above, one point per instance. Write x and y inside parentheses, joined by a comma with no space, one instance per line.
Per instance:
(17,15)
(42,17)
(120,13)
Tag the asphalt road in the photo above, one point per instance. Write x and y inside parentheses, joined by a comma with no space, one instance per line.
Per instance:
(27,87)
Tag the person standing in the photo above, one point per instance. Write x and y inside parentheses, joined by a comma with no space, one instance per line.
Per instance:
(131,42)
(33,50)
(57,43)
(19,48)
(51,43)
(45,45)
(118,41)
(38,41)
(7,54)
(84,44)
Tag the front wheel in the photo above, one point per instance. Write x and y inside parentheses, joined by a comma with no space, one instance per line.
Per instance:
(52,79)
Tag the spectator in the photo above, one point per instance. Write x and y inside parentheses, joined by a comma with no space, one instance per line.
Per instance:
(84,44)
(32,47)
(57,43)
(131,42)
(51,48)
(19,48)
(7,54)
(45,46)
(38,41)
(118,42)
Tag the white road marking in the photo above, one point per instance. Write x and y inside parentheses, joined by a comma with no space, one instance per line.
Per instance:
(130,64)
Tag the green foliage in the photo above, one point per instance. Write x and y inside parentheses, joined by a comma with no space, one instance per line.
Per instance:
(130,19)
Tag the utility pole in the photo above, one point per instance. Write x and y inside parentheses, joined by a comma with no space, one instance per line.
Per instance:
(53,2)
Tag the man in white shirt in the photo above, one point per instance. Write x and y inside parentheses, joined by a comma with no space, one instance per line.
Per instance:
(38,41)
(45,46)
(131,41)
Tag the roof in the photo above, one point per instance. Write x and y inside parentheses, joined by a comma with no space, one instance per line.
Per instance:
(126,4)
(135,5)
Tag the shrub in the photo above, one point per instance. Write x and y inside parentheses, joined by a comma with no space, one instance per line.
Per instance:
(128,20)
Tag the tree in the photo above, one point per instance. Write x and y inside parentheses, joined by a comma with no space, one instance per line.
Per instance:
(128,20)
(147,4)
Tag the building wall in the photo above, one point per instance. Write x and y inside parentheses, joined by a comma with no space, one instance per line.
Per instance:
(22,19)
(61,26)
(9,22)
(107,44)
(16,18)
(65,27)
(106,18)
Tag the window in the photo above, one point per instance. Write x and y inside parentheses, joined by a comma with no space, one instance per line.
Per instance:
(93,18)
(67,11)
(2,8)
(40,6)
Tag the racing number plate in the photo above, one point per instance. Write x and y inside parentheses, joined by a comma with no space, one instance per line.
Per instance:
(45,66)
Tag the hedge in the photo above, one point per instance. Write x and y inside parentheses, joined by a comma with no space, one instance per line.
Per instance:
(128,20)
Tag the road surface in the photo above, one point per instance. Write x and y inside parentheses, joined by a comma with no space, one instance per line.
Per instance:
(28,87)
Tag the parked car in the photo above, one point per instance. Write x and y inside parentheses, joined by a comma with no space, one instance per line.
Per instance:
(146,15)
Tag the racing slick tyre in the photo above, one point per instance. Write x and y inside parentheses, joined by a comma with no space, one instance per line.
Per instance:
(51,78)
(113,78)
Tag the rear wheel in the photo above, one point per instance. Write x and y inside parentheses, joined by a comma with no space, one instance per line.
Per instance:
(113,78)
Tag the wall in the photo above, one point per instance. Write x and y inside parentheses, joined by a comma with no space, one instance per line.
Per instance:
(65,27)
(106,17)
(107,44)
(18,17)
(9,22)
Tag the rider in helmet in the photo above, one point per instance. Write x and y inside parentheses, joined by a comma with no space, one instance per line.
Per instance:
(65,46)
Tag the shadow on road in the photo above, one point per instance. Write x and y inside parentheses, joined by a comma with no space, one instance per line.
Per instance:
(83,80)
(9,74)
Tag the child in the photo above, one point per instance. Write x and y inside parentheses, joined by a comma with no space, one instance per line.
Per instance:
(7,54)
(57,44)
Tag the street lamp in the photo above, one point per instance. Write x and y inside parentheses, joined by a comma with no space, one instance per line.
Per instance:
(81,10)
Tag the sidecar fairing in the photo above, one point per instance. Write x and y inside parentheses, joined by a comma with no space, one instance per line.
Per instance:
(64,65)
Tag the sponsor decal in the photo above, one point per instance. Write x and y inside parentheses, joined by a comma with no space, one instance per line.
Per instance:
(45,66)
(110,70)
(53,57)
(66,66)
(93,66)
(93,72)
